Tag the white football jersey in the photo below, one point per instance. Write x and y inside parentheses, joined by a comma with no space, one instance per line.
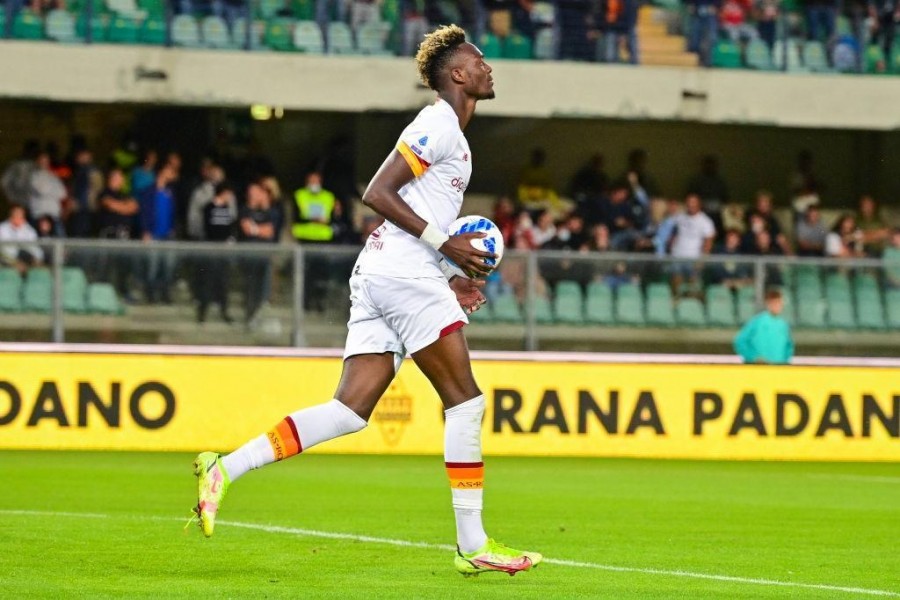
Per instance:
(437,152)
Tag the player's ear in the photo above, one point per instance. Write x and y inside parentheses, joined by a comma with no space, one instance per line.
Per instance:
(458,75)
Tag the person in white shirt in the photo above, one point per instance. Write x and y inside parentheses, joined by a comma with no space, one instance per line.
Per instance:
(694,235)
(402,301)
(47,194)
(17,229)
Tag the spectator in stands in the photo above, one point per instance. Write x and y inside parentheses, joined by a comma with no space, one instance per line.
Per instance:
(805,186)
(505,218)
(662,239)
(733,274)
(87,182)
(506,16)
(523,234)
(279,204)
(733,217)
(845,239)
(257,224)
(572,18)
(570,235)
(535,186)
(42,7)
(875,230)
(694,235)
(219,219)
(619,19)
(544,229)
(231,11)
(703,28)
(125,155)
(590,182)
(733,18)
(625,216)
(47,194)
(891,259)
(157,219)
(811,233)
(821,16)
(314,215)
(212,175)
(637,164)
(364,11)
(16,180)
(763,208)
(767,21)
(885,15)
(766,248)
(17,229)
(712,189)
(599,241)
(766,338)
(116,219)
(144,174)
(415,25)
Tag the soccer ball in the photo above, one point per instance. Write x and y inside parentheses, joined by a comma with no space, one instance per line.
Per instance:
(492,242)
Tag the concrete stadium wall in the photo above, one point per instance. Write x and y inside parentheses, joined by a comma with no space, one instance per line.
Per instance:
(525,89)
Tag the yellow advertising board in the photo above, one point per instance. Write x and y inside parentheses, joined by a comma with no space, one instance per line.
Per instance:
(189,402)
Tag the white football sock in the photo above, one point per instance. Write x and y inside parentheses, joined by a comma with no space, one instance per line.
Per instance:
(462,455)
(295,433)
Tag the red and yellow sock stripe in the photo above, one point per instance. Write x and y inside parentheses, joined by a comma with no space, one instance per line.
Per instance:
(466,476)
(284,439)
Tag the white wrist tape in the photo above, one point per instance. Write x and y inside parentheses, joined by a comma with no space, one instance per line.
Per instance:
(433,236)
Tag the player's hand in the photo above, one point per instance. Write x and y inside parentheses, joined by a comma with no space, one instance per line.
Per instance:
(468,293)
(459,249)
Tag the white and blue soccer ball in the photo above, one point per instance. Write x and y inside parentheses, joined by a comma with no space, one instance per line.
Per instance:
(491,242)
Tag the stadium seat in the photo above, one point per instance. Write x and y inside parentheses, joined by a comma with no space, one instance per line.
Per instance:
(99,28)
(720,306)
(726,55)
(864,282)
(28,26)
(874,61)
(689,311)
(543,311)
(304,10)
(789,311)
(490,46)
(61,27)
(279,34)
(630,305)
(102,299)
(746,305)
(840,314)
(808,285)
(815,58)
(37,294)
(517,47)
(308,37)
(759,57)
(153,31)
(390,11)
(372,39)
(599,304)
(154,8)
(843,56)
(895,59)
(124,30)
(567,303)
(214,31)
(869,310)
(10,291)
(892,308)
(340,38)
(659,305)
(269,9)
(185,32)
(74,290)
(239,34)
(837,287)
(506,309)
(794,62)
(811,312)
(126,8)
(544,44)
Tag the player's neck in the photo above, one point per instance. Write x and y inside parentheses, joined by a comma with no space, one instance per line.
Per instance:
(462,105)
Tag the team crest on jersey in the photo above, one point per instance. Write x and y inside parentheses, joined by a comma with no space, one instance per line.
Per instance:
(423,141)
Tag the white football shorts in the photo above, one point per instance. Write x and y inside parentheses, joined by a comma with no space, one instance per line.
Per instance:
(390,314)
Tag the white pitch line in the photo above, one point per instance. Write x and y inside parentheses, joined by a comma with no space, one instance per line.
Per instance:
(428,545)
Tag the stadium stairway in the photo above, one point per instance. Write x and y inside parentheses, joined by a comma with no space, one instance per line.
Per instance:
(657,45)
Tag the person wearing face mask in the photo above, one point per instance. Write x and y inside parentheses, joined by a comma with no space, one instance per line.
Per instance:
(315,211)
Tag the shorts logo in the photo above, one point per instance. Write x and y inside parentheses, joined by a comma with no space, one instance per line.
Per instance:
(459,183)
(393,412)
(423,141)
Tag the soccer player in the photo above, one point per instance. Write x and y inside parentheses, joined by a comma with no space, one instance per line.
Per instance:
(402,301)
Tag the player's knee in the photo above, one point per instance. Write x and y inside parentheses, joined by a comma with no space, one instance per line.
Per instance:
(350,418)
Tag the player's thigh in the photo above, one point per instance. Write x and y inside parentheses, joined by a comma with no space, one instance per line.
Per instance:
(447,366)
(364,380)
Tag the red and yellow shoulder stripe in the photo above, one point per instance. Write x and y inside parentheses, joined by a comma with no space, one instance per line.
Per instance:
(415,162)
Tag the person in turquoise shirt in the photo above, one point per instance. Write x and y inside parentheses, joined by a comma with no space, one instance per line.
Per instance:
(766,338)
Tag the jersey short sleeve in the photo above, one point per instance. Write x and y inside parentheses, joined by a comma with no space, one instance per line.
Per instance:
(424,143)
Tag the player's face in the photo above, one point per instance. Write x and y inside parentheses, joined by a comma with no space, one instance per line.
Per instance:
(481,83)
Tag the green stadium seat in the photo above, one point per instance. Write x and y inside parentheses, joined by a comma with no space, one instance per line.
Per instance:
(99,27)
(759,57)
(154,8)
(567,303)
(102,299)
(808,286)
(599,304)
(746,308)
(837,288)
(874,61)
(815,58)
(720,306)
(124,30)
(305,10)
(630,305)
(37,294)
(185,32)
(895,59)
(812,312)
(61,27)
(544,45)
(269,9)
(10,291)
(126,8)
(543,311)
(239,34)
(390,11)
(308,37)
(870,311)
(790,309)
(892,308)
(153,31)
(660,311)
(28,26)
(864,282)
(840,314)
(661,291)
(794,62)
(74,290)
(726,55)
(372,39)
(214,31)
(517,47)
(340,38)
(279,35)
(490,46)
(506,309)
(78,7)
(689,312)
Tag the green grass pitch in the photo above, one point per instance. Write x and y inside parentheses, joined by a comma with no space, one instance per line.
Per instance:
(666,522)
